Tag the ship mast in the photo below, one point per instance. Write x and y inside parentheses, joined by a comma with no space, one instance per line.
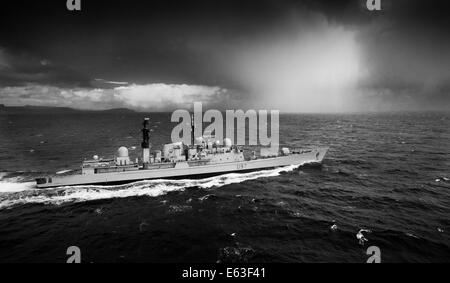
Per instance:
(192,130)
(145,142)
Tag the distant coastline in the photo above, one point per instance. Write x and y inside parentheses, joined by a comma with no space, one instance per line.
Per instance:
(29,109)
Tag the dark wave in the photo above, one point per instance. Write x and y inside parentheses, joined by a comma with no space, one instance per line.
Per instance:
(387,173)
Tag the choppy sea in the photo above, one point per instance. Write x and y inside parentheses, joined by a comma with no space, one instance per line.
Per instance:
(385,183)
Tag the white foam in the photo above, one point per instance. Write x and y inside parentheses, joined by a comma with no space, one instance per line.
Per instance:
(360,236)
(14,187)
(63,171)
(150,188)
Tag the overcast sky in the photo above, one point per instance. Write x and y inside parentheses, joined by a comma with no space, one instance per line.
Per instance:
(295,56)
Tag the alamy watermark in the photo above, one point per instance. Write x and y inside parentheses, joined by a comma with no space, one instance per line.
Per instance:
(74,253)
(73,5)
(373,5)
(257,121)
(374,253)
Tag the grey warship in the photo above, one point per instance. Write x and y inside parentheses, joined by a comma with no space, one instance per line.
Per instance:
(204,157)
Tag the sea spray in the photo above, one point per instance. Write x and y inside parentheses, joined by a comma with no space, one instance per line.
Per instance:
(12,194)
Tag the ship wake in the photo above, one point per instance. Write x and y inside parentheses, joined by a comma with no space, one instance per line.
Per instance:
(13,193)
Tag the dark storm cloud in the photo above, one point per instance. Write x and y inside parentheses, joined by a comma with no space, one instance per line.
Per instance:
(137,41)
(320,55)
(22,68)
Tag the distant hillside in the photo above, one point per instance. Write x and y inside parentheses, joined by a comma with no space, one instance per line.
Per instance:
(117,110)
(54,110)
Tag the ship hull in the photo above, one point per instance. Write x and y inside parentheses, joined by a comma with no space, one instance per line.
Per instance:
(183,171)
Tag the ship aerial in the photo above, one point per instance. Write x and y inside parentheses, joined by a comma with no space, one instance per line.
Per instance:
(204,157)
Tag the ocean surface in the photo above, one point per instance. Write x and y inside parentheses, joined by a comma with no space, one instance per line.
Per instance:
(387,174)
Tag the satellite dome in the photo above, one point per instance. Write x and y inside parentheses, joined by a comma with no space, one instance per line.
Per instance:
(199,140)
(122,152)
(217,143)
(227,142)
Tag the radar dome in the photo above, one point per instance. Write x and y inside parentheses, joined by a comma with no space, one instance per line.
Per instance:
(217,143)
(122,152)
(199,140)
(227,142)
